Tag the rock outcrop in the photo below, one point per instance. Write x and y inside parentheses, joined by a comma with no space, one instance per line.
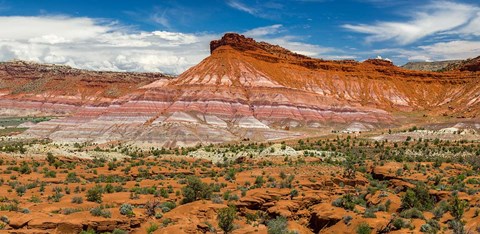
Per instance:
(430,66)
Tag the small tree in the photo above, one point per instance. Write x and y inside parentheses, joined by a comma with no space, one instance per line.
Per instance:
(457,207)
(225,217)
(349,167)
(50,158)
(195,190)
(419,198)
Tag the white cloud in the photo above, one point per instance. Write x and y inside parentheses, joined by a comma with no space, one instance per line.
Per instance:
(241,7)
(457,49)
(434,18)
(99,45)
(452,50)
(161,18)
(264,31)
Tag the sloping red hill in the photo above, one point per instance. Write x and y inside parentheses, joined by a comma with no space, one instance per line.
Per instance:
(251,90)
(62,89)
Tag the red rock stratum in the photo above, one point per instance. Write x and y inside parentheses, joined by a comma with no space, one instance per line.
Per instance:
(254,90)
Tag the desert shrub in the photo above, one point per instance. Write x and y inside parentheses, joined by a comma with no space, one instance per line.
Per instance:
(119,231)
(50,158)
(457,207)
(5,219)
(150,207)
(167,206)
(77,200)
(364,228)
(399,223)
(95,194)
(152,228)
(126,209)
(293,193)
(418,198)
(347,219)
(412,213)
(426,228)
(346,202)
(35,199)
(259,181)
(89,231)
(72,178)
(100,211)
(278,226)
(225,217)
(369,213)
(21,190)
(440,209)
(433,226)
(457,227)
(217,199)
(195,190)
(68,211)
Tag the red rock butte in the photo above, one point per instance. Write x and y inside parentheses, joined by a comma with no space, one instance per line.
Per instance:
(243,90)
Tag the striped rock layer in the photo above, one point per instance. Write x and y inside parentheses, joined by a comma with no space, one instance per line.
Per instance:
(258,91)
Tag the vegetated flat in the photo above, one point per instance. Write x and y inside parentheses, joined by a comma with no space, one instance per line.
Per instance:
(338,184)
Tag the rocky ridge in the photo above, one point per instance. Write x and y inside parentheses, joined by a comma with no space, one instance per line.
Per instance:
(248,90)
(430,66)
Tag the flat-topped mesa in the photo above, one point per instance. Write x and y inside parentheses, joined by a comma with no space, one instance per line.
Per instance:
(380,62)
(242,43)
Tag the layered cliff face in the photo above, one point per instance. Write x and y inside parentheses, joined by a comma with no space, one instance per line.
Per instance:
(250,90)
(51,89)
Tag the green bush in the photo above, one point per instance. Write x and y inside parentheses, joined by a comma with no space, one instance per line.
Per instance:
(225,217)
(412,213)
(457,207)
(418,198)
(399,223)
(100,211)
(77,200)
(152,228)
(278,226)
(364,228)
(95,194)
(126,209)
(195,190)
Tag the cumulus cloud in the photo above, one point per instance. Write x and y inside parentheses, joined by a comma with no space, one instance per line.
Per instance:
(435,18)
(456,49)
(99,45)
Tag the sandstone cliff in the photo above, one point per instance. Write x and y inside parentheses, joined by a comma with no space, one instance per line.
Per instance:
(254,90)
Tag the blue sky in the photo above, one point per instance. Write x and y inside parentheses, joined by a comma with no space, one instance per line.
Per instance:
(171,36)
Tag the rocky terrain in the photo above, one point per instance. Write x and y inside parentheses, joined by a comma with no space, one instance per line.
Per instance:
(472,65)
(430,66)
(245,90)
(338,184)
